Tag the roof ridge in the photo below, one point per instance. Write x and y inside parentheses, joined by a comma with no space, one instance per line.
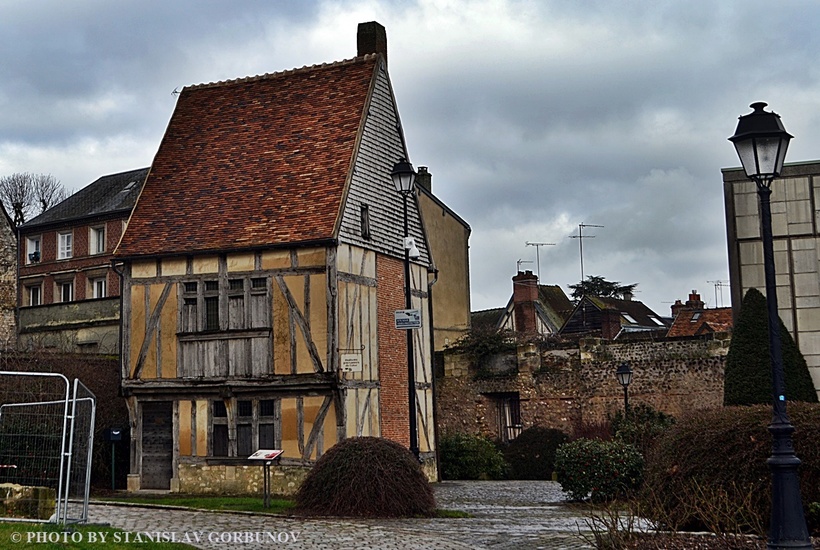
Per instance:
(286,72)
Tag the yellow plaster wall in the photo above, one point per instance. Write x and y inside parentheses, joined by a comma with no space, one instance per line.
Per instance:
(185,428)
(202,421)
(318,315)
(206,264)
(137,325)
(172,267)
(240,262)
(296,285)
(276,259)
(167,335)
(311,257)
(281,332)
(143,270)
(290,435)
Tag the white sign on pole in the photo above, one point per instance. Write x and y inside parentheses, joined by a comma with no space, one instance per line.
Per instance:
(407,319)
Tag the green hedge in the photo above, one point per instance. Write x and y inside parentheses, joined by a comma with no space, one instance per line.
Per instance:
(598,470)
(464,456)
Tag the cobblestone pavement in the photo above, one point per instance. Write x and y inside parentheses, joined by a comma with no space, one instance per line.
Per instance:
(507,514)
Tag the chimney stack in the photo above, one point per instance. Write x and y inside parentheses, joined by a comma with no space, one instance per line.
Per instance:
(371,38)
(525,294)
(424,179)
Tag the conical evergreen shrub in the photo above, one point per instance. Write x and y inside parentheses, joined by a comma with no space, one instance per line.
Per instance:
(748,379)
(366,477)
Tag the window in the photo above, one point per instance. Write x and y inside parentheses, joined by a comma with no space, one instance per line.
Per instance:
(255,427)
(32,250)
(365,221)
(98,288)
(65,245)
(96,241)
(34,295)
(203,304)
(508,407)
(629,318)
(66,291)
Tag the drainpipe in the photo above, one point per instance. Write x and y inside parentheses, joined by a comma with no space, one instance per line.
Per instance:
(434,271)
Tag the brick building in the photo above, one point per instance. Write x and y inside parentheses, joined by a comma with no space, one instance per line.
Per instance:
(67,291)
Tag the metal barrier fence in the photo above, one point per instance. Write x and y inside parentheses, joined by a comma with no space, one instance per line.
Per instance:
(46,441)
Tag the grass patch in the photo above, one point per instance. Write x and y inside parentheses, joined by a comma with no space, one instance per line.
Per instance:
(216,503)
(57,537)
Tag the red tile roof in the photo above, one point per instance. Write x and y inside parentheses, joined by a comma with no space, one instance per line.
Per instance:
(254,162)
(700,321)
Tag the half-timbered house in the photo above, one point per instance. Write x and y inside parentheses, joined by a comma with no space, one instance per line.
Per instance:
(262,267)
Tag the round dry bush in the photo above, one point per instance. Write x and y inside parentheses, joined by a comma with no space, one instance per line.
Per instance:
(366,477)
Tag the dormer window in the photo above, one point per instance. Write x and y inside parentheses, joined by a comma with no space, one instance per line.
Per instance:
(695,317)
(32,250)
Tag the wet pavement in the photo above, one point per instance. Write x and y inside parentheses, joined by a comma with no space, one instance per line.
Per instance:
(506,514)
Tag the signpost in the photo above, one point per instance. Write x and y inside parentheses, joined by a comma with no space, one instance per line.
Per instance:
(268,456)
(407,319)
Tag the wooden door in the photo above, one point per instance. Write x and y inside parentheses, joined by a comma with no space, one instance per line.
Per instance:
(157,444)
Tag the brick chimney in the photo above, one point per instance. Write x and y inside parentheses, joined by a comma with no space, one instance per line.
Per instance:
(525,294)
(371,38)
(424,179)
(694,303)
(610,323)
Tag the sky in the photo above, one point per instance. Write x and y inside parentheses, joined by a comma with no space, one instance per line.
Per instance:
(532,116)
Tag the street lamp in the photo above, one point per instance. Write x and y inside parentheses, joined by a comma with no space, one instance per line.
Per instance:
(761,142)
(624,374)
(404,178)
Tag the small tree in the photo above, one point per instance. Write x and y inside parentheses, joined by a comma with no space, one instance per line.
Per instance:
(598,286)
(748,379)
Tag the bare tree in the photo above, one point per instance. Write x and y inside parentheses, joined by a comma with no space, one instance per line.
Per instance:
(48,191)
(25,194)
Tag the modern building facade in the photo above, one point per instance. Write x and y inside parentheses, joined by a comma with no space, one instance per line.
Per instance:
(795,204)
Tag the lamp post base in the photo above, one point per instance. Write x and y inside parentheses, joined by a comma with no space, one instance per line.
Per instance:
(787,528)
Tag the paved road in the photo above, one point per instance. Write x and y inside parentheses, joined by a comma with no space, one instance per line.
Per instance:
(507,514)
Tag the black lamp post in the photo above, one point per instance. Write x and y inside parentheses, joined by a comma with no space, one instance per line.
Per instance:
(404,178)
(624,374)
(761,142)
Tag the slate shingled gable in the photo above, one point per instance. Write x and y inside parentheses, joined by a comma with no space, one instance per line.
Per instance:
(254,162)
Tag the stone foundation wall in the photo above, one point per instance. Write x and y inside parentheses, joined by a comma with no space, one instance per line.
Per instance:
(21,501)
(198,478)
(565,388)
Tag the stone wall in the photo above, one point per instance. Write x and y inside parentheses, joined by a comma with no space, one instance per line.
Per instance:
(239,479)
(576,385)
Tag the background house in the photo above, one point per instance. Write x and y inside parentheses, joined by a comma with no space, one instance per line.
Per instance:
(612,318)
(796,232)
(693,318)
(448,235)
(235,331)
(67,290)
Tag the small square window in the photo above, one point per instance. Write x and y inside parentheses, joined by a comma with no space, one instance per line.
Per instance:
(245,408)
(211,286)
(219,410)
(236,284)
(259,283)
(190,288)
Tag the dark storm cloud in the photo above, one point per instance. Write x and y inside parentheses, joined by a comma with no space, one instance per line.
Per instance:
(533,116)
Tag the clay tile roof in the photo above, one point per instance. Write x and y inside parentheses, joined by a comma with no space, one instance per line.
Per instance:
(253,162)
(691,322)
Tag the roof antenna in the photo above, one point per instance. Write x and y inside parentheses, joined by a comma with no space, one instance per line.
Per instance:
(176,91)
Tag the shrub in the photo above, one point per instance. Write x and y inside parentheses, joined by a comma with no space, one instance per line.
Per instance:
(598,470)
(642,427)
(725,451)
(366,477)
(531,455)
(748,378)
(464,456)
